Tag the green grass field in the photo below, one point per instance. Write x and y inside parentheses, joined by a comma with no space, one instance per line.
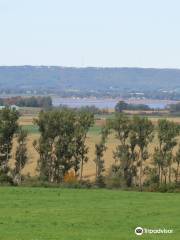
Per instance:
(34,129)
(64,214)
(31,128)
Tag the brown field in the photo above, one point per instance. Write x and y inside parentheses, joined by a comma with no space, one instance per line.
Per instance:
(29,111)
(146,112)
(89,168)
(173,119)
(26,120)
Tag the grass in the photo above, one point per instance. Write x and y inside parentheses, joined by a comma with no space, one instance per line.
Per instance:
(31,128)
(175,118)
(105,116)
(50,214)
(34,129)
(95,130)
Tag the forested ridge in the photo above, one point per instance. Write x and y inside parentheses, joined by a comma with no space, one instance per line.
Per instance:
(91,78)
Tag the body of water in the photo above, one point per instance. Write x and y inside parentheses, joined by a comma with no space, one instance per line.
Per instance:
(106,103)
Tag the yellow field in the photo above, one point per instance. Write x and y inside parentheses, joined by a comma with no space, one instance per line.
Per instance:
(26,120)
(173,119)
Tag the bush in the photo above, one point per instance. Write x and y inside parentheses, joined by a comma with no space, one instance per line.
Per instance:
(113,182)
(70,177)
(6,180)
(170,187)
(114,178)
(36,181)
(100,182)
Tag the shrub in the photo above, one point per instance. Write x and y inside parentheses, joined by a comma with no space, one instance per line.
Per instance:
(6,180)
(100,181)
(70,177)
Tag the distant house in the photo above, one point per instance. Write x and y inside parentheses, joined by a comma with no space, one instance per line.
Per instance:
(11,107)
(14,107)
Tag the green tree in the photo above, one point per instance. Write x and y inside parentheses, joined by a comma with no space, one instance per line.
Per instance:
(85,120)
(8,127)
(158,161)
(21,153)
(120,106)
(177,161)
(55,145)
(100,148)
(125,153)
(48,127)
(61,146)
(143,130)
(167,133)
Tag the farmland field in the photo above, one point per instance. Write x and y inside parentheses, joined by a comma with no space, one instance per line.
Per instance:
(63,214)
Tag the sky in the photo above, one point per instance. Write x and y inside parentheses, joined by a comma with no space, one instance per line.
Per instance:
(81,33)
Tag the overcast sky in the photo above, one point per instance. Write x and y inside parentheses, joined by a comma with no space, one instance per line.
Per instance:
(118,33)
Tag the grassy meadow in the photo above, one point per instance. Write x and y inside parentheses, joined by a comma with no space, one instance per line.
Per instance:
(53,214)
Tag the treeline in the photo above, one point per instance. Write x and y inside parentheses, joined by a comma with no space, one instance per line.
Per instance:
(121,105)
(42,102)
(63,151)
(162,95)
(88,108)
(174,108)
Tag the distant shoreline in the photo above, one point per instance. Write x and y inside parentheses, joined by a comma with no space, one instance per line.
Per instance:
(102,103)
(109,103)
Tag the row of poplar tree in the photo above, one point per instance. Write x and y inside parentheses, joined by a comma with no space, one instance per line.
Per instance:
(9,129)
(145,154)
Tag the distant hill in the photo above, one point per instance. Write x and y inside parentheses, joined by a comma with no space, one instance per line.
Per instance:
(88,79)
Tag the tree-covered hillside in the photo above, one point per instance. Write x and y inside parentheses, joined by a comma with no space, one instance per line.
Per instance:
(31,77)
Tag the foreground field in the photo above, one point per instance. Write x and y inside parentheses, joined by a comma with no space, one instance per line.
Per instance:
(50,214)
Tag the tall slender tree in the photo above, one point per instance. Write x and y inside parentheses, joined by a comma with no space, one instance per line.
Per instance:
(177,161)
(143,129)
(125,153)
(100,148)
(21,153)
(167,133)
(84,121)
(8,127)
